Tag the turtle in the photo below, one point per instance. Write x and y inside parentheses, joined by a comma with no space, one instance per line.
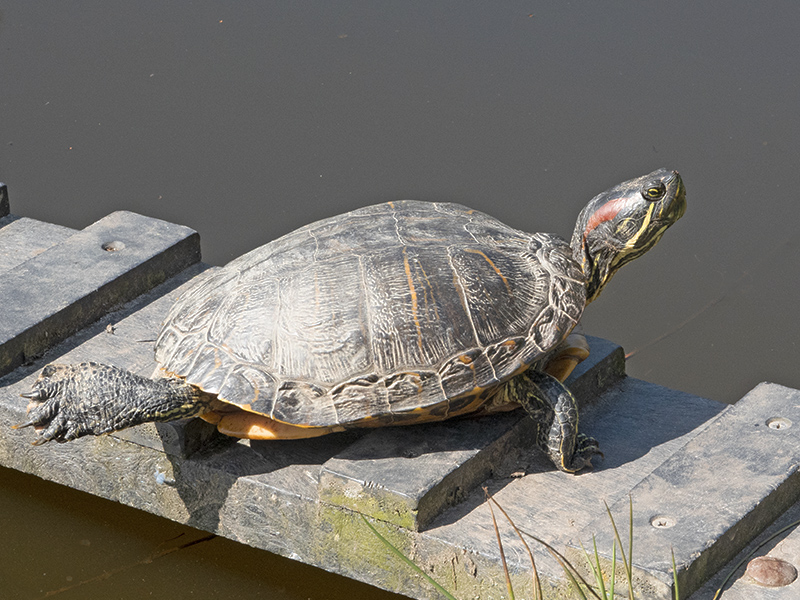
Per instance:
(399,313)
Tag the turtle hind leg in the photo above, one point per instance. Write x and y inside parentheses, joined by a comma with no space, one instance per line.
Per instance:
(554,409)
(71,401)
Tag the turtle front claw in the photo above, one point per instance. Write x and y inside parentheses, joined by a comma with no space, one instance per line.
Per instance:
(43,405)
(50,422)
(38,415)
(45,387)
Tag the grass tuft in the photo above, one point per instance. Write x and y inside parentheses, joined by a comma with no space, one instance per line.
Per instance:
(581,588)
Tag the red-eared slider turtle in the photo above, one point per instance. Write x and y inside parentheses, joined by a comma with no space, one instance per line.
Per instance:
(398,313)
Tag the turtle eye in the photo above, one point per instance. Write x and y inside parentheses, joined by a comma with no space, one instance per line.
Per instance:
(654,190)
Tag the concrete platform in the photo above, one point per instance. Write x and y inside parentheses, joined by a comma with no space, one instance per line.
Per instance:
(705,478)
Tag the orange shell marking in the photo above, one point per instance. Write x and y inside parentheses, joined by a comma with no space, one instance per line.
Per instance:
(491,264)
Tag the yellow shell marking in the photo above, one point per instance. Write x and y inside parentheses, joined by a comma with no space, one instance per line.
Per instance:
(491,264)
(414,304)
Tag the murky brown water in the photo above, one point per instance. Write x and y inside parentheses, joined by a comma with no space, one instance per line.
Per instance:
(249,120)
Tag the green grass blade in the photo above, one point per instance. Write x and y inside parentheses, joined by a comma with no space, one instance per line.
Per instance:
(408,561)
(598,578)
(677,594)
(599,572)
(502,553)
(564,564)
(628,565)
(537,584)
(613,569)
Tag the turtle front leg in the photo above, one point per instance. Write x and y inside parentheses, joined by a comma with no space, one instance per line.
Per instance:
(554,409)
(71,401)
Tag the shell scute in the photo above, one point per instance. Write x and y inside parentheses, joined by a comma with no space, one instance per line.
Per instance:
(194,310)
(303,403)
(413,390)
(506,356)
(361,399)
(467,372)
(249,384)
(212,365)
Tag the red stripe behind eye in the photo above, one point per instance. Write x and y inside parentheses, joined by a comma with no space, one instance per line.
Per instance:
(605,213)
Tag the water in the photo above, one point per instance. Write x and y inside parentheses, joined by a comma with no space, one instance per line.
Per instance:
(246,121)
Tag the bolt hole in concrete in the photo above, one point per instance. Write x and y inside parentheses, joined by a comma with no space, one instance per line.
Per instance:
(662,522)
(779,423)
(113,246)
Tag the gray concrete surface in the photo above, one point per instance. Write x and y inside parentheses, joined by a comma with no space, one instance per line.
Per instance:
(704,478)
(56,292)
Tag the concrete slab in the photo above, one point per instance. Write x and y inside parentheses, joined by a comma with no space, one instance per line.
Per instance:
(59,291)
(407,476)
(719,474)
(22,238)
(717,492)
(636,425)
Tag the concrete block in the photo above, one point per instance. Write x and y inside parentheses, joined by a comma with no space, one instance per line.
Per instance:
(22,238)
(53,295)
(408,476)
(714,494)
(4,205)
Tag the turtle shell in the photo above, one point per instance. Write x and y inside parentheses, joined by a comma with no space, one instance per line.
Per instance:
(398,312)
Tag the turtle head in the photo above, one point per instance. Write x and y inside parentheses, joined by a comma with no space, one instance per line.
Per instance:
(625,222)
